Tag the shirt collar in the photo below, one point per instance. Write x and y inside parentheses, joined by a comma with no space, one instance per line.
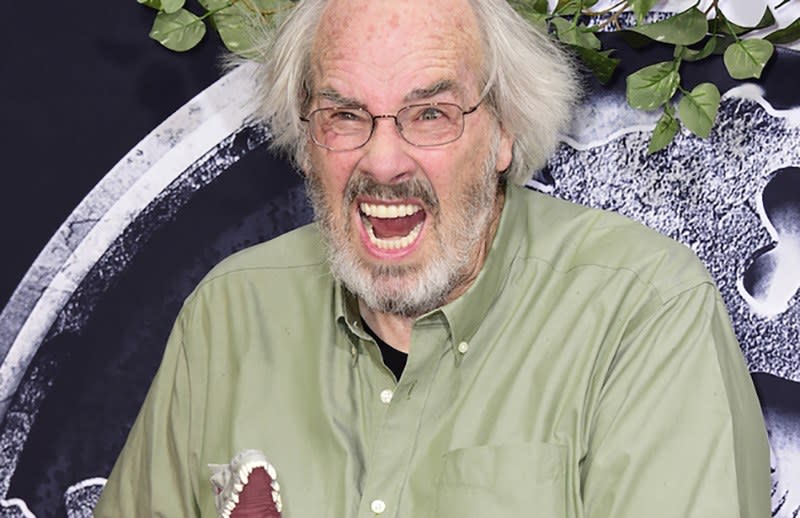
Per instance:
(346,309)
(465,314)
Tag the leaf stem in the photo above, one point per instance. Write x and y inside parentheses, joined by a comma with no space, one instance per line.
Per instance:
(199,19)
(265,13)
(606,10)
(730,28)
(215,11)
(614,18)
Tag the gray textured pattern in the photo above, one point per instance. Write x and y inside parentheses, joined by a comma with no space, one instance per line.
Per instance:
(704,193)
(784,439)
(174,147)
(81,498)
(14,508)
(707,194)
(19,419)
(33,388)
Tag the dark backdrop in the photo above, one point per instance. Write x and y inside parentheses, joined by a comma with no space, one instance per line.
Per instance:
(82,84)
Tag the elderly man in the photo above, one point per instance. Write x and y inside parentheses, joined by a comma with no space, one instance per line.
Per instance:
(443,343)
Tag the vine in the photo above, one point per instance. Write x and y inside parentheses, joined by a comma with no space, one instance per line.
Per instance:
(693,34)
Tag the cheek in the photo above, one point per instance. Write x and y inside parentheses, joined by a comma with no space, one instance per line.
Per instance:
(331,170)
(450,171)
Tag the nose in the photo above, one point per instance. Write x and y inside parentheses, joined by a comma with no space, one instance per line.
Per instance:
(386,154)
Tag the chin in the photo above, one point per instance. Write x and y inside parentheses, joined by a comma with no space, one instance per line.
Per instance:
(400,289)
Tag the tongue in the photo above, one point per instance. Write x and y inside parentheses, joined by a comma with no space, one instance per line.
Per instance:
(386,228)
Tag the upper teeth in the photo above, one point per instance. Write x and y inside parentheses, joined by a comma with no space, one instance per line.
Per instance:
(388,211)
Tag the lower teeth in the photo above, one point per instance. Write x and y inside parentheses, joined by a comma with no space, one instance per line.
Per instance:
(395,242)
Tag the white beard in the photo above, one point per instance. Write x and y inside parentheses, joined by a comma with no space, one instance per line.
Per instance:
(410,291)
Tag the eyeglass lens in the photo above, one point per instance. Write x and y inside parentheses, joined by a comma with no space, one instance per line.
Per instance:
(344,129)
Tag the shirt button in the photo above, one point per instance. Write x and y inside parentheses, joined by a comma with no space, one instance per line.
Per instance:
(378,506)
(463,347)
(386,396)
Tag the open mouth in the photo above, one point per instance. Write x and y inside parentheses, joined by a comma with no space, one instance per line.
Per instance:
(392,226)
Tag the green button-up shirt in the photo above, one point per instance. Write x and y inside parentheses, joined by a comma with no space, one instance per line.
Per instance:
(589,371)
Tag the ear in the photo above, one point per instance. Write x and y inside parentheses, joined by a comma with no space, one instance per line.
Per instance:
(504,152)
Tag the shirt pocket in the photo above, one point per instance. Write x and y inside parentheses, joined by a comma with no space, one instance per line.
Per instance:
(508,480)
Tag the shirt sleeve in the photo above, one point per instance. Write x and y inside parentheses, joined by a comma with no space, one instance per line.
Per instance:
(678,430)
(152,474)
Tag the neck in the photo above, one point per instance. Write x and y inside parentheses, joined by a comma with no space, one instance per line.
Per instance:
(395,330)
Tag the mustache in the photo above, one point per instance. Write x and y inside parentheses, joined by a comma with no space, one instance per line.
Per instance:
(417,187)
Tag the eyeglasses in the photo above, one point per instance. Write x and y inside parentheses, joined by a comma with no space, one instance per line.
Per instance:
(422,125)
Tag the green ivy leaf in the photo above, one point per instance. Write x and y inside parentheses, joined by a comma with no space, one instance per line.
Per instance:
(537,20)
(635,41)
(577,35)
(233,29)
(178,31)
(529,6)
(652,86)
(688,54)
(153,4)
(685,28)
(641,8)
(215,5)
(723,42)
(721,25)
(567,7)
(171,6)
(233,21)
(665,130)
(698,109)
(746,59)
(601,64)
(534,12)
(272,7)
(540,6)
(251,8)
(788,34)
(767,19)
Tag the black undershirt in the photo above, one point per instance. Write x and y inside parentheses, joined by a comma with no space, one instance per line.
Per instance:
(392,358)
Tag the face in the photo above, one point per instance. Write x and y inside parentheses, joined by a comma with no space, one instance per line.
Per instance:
(406,227)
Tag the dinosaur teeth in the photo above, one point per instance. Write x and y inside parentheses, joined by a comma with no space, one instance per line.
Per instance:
(229,480)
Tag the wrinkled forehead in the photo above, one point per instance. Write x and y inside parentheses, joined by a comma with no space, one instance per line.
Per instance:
(388,37)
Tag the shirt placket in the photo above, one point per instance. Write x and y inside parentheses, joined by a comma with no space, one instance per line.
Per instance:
(397,433)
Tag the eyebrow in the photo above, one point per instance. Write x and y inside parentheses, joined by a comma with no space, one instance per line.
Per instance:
(339,99)
(445,85)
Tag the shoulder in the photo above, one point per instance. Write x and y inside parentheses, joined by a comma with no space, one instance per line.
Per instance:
(286,260)
(296,250)
(569,236)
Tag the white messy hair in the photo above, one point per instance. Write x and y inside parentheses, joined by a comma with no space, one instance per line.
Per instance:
(530,83)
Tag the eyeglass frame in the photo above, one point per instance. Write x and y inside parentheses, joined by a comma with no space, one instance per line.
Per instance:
(374,118)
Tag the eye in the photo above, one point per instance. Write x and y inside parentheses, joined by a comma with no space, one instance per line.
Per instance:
(345,115)
(430,113)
